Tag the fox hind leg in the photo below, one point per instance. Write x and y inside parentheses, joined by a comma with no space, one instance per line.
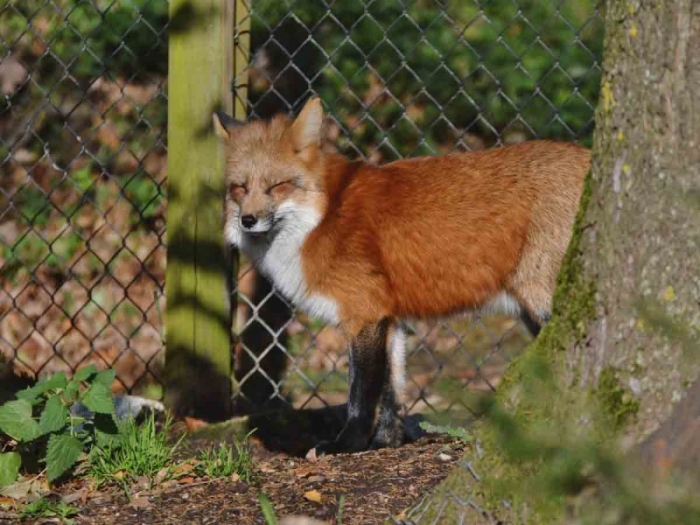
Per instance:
(533,325)
(534,294)
(390,425)
(535,314)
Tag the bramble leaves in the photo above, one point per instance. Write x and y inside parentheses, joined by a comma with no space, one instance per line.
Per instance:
(44,411)
(54,416)
(9,467)
(98,399)
(62,452)
(16,420)
(85,373)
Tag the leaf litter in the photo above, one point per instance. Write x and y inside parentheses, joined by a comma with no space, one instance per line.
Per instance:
(368,488)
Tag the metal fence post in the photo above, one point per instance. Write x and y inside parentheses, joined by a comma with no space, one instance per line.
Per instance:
(198,310)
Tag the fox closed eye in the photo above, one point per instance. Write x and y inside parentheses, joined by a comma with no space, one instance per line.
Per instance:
(281,187)
(237,190)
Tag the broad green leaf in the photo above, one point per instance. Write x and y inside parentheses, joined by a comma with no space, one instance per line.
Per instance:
(33,392)
(70,394)
(58,381)
(9,467)
(99,399)
(54,416)
(105,377)
(16,420)
(55,382)
(85,373)
(62,452)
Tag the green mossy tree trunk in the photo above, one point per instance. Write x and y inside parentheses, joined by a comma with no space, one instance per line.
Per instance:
(641,244)
(611,385)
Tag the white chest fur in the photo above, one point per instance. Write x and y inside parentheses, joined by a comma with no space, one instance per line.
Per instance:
(280,260)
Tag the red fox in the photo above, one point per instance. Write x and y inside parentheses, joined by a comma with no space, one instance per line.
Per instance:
(365,246)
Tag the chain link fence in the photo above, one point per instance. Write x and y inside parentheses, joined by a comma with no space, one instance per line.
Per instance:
(83,168)
(82,196)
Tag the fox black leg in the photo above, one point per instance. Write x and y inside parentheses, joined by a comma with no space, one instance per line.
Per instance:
(534,326)
(390,425)
(368,369)
(390,429)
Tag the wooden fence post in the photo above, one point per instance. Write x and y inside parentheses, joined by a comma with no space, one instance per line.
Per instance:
(198,309)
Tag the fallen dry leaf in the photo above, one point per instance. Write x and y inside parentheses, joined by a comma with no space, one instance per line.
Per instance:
(140,502)
(161,475)
(26,488)
(143,482)
(315,479)
(301,520)
(313,495)
(183,468)
(186,480)
(78,495)
(193,423)
(266,469)
(168,484)
(303,472)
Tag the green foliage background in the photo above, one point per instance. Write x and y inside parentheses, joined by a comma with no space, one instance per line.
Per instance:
(432,72)
(437,68)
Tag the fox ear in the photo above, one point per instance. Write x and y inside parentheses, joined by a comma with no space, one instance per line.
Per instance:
(306,130)
(223,124)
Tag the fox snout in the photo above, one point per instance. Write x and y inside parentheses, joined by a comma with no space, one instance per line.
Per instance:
(255,224)
(248,221)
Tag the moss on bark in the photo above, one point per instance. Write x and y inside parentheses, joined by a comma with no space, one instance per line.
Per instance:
(618,353)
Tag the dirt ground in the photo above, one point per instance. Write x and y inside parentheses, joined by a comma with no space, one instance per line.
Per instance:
(375,486)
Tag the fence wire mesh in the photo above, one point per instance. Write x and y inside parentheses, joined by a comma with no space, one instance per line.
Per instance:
(83,158)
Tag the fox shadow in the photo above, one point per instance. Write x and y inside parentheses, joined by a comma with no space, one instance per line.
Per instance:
(296,431)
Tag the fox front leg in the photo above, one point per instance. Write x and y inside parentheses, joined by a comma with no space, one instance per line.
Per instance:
(368,370)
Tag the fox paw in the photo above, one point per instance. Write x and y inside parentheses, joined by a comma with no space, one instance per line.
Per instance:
(343,444)
(390,433)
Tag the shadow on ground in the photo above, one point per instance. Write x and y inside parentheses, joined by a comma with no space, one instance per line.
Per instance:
(289,430)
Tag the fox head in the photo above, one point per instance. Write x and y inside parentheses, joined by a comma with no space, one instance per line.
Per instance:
(273,175)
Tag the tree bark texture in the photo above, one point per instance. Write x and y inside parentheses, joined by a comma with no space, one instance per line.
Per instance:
(641,244)
(611,386)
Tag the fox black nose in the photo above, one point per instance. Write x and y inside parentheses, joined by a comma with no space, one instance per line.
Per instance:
(248,221)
